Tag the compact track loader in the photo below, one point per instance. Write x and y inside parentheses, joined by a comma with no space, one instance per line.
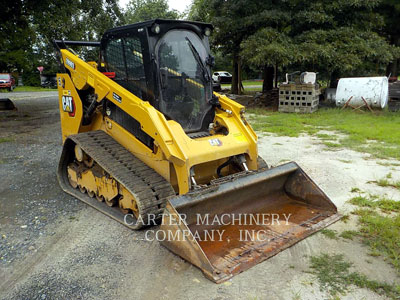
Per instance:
(145,140)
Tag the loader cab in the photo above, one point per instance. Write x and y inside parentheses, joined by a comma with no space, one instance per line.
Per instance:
(167,63)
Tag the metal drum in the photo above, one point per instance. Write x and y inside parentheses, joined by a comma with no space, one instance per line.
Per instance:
(374,90)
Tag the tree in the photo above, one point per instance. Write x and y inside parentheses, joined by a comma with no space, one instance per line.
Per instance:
(390,10)
(235,21)
(267,49)
(336,36)
(17,35)
(344,50)
(83,20)
(200,11)
(142,10)
(30,26)
(341,37)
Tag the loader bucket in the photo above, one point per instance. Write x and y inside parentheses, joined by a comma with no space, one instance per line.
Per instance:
(6,104)
(231,226)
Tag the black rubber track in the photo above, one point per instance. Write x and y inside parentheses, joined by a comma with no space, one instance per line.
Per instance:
(150,189)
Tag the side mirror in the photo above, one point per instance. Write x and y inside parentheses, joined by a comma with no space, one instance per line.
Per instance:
(210,60)
(164,78)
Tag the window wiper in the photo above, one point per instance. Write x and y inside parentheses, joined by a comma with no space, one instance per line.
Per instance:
(197,56)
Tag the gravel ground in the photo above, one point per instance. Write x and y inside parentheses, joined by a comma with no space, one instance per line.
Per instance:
(54,247)
(27,171)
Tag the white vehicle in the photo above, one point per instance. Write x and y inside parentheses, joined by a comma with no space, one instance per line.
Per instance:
(222,77)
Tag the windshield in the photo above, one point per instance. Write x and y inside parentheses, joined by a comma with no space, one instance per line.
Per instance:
(4,76)
(185,79)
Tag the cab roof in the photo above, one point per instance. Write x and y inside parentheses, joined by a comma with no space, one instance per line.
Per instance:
(150,23)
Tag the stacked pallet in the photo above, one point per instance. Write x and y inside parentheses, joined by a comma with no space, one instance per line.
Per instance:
(299,98)
(394,96)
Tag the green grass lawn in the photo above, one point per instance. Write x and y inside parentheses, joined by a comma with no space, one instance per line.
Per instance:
(247,83)
(30,89)
(33,89)
(375,133)
(253,89)
(252,82)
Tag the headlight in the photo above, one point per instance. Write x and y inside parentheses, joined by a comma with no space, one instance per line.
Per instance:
(207,31)
(156,28)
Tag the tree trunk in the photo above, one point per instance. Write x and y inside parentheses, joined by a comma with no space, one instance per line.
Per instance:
(235,75)
(268,76)
(393,68)
(276,76)
(240,85)
(334,79)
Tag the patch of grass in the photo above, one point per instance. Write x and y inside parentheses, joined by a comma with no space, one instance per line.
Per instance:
(332,145)
(385,182)
(253,89)
(345,218)
(373,201)
(377,134)
(386,164)
(329,233)
(6,139)
(33,89)
(296,296)
(382,235)
(379,231)
(345,161)
(355,190)
(326,137)
(349,234)
(361,212)
(29,89)
(245,83)
(374,253)
(333,274)
(252,82)
(363,201)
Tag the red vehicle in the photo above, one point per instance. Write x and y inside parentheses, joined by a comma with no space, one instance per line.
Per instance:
(7,81)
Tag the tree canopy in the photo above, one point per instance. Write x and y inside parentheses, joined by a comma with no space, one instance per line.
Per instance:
(333,37)
(142,10)
(28,28)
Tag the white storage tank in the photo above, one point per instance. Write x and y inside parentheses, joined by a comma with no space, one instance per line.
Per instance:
(374,90)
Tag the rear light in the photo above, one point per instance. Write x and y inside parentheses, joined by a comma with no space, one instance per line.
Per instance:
(109,74)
